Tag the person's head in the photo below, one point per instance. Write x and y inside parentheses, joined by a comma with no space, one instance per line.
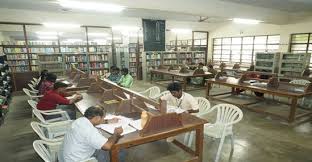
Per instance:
(44,73)
(200,65)
(60,87)
(210,66)
(51,77)
(111,69)
(95,115)
(124,71)
(116,70)
(175,89)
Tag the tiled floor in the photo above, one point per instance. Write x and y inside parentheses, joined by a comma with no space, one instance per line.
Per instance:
(258,138)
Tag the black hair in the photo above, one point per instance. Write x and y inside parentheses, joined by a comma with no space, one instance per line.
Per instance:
(174,86)
(201,64)
(59,85)
(44,72)
(125,70)
(112,67)
(94,111)
(51,77)
(117,69)
(210,66)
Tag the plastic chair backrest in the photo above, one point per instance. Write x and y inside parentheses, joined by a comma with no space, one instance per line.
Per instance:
(300,82)
(228,114)
(33,83)
(204,105)
(33,103)
(38,114)
(39,129)
(26,91)
(164,93)
(153,92)
(48,151)
(32,87)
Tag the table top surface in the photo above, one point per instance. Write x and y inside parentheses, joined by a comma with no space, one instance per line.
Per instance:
(283,88)
(188,121)
(176,72)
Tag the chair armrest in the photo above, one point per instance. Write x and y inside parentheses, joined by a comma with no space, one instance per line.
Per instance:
(144,92)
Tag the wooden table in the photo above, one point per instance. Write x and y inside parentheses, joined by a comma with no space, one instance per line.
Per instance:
(175,73)
(190,123)
(283,90)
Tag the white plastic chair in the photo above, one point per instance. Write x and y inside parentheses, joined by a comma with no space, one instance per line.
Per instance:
(227,116)
(36,80)
(31,94)
(48,151)
(90,160)
(33,83)
(300,82)
(204,108)
(53,132)
(152,92)
(162,94)
(63,116)
(32,88)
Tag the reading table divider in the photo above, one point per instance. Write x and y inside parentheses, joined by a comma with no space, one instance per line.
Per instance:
(160,125)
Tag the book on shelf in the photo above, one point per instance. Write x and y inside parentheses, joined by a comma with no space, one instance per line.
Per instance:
(73,49)
(17,56)
(99,65)
(15,50)
(78,58)
(102,57)
(43,50)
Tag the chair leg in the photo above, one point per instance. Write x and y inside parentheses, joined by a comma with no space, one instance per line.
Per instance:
(232,142)
(219,149)
(191,139)
(187,137)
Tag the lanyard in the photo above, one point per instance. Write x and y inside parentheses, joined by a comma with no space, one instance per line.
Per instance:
(179,104)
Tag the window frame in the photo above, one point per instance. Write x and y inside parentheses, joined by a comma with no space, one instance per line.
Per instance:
(266,44)
(309,42)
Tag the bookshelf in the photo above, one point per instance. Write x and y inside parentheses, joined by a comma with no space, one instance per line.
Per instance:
(123,54)
(5,89)
(267,62)
(53,62)
(135,58)
(293,64)
(152,59)
(99,63)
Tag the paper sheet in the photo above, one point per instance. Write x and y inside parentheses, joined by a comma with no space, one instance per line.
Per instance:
(136,124)
(123,122)
(150,106)
(171,109)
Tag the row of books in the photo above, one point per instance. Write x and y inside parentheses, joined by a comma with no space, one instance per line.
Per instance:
(99,65)
(48,58)
(99,72)
(52,66)
(102,57)
(43,50)
(15,50)
(75,49)
(79,58)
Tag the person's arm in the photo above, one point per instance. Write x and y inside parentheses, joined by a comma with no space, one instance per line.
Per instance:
(194,105)
(113,139)
(126,82)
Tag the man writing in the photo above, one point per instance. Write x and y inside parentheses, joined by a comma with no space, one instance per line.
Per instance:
(83,140)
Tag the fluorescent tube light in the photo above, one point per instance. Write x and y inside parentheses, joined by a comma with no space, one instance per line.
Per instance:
(43,33)
(47,37)
(92,6)
(60,25)
(126,28)
(181,31)
(245,21)
(73,40)
(98,34)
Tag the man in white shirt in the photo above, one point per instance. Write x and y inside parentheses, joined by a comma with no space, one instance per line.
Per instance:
(83,140)
(180,99)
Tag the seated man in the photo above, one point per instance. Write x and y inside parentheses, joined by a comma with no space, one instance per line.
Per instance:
(115,75)
(47,84)
(198,80)
(180,99)
(126,79)
(55,98)
(84,140)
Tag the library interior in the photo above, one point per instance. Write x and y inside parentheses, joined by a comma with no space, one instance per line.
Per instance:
(155,81)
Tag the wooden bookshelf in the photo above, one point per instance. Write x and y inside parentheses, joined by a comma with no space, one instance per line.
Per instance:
(53,62)
(135,58)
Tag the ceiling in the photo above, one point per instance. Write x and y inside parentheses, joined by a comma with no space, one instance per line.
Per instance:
(216,11)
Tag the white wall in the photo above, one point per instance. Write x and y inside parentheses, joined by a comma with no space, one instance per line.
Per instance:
(231,30)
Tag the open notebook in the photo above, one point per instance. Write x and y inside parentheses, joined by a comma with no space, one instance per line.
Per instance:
(123,122)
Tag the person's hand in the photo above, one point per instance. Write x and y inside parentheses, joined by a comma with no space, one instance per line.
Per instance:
(118,131)
(78,97)
(113,120)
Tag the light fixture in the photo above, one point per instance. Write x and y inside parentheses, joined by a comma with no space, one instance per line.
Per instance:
(98,34)
(126,28)
(181,31)
(245,21)
(43,33)
(60,25)
(47,37)
(73,40)
(92,6)
(99,40)
(117,38)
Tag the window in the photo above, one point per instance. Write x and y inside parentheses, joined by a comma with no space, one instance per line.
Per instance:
(301,43)
(243,49)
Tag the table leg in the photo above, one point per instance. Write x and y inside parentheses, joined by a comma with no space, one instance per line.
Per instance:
(152,77)
(184,83)
(199,143)
(292,113)
(114,155)
(208,89)
(172,78)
